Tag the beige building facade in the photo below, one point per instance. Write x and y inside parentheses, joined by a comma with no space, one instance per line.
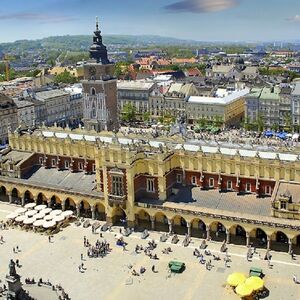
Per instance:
(166,185)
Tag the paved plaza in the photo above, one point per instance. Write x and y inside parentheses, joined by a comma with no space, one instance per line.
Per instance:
(110,277)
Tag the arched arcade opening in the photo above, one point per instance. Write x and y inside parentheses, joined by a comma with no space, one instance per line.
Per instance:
(198,229)
(3,194)
(258,238)
(143,220)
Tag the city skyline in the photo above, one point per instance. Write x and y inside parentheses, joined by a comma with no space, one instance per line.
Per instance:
(201,20)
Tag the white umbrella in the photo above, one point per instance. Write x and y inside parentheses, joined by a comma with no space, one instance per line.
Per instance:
(30,205)
(40,207)
(30,213)
(56,212)
(38,223)
(21,210)
(20,218)
(28,221)
(12,216)
(46,210)
(295,136)
(39,215)
(49,224)
(67,213)
(48,218)
(58,218)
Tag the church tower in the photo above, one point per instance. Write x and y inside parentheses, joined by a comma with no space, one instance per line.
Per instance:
(100,110)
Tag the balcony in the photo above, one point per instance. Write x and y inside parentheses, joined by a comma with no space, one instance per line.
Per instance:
(117,200)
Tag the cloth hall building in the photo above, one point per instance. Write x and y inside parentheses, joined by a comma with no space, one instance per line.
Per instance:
(238,195)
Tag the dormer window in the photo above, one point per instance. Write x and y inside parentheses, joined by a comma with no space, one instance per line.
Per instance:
(282,204)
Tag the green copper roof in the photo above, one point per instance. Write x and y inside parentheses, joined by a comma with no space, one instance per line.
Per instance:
(270,93)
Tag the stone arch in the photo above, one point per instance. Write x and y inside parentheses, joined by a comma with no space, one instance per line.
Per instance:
(3,194)
(179,225)
(143,220)
(198,228)
(41,199)
(296,244)
(100,212)
(119,216)
(85,209)
(16,196)
(161,222)
(238,235)
(70,204)
(55,202)
(279,241)
(217,231)
(28,197)
(258,238)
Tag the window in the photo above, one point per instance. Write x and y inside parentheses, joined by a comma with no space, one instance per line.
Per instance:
(282,204)
(268,190)
(67,164)
(229,185)
(117,185)
(150,185)
(53,162)
(248,187)
(94,168)
(211,182)
(80,166)
(178,178)
(193,180)
(41,160)
(93,91)
(11,167)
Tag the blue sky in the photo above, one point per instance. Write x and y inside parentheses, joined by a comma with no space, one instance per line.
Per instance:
(203,20)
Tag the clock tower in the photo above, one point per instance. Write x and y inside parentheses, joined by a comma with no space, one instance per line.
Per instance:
(100,110)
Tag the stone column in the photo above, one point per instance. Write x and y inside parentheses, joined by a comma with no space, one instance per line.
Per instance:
(290,246)
(247,239)
(170,223)
(227,236)
(10,200)
(23,201)
(63,205)
(207,233)
(78,210)
(152,219)
(93,209)
(189,226)
(268,242)
(49,203)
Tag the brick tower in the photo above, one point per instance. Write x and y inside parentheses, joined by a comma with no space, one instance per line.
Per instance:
(100,110)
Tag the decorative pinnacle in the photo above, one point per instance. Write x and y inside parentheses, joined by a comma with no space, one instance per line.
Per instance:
(97,23)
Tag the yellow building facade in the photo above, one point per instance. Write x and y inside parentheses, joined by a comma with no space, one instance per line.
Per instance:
(163,184)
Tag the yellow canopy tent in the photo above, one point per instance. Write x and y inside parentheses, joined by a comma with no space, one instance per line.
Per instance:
(235,279)
(255,282)
(244,290)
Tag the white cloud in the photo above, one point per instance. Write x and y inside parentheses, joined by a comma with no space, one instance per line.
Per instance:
(295,18)
(201,6)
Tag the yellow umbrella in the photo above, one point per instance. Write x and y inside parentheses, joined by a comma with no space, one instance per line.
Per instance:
(244,290)
(255,282)
(235,279)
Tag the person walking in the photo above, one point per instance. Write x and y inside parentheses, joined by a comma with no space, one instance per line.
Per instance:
(81,256)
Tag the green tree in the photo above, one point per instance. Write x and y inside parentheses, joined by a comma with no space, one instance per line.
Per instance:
(128,113)
(65,77)
(260,124)
(146,116)
(218,121)
(287,122)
